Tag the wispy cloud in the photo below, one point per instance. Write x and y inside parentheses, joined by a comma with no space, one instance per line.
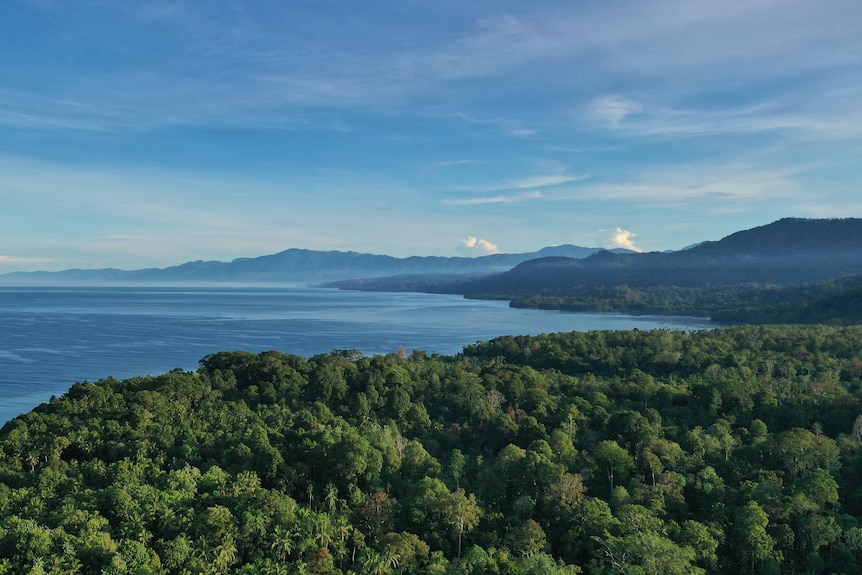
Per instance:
(741,180)
(16,261)
(91,216)
(493,200)
(526,183)
(611,109)
(541,182)
(236,65)
(450,164)
(765,117)
(457,163)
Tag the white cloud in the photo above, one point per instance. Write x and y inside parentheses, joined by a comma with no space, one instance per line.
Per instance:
(478,244)
(16,261)
(449,163)
(531,182)
(494,200)
(522,133)
(247,71)
(621,238)
(837,121)
(612,109)
(542,182)
(740,181)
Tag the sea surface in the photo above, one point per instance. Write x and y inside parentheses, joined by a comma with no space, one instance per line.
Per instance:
(52,337)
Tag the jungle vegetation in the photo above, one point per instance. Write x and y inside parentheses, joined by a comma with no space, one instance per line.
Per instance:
(836,302)
(733,450)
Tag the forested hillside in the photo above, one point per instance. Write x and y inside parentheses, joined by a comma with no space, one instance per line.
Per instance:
(779,263)
(841,307)
(833,302)
(736,450)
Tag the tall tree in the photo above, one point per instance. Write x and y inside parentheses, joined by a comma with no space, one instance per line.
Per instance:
(462,511)
(752,542)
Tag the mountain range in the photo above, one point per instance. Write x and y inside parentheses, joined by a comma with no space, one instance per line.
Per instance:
(791,251)
(302,266)
(790,271)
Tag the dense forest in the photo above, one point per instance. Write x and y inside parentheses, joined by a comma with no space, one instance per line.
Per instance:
(837,302)
(735,450)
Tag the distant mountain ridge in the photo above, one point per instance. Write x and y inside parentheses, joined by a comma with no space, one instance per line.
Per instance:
(300,265)
(790,251)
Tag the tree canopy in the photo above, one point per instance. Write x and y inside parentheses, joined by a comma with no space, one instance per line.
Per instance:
(722,451)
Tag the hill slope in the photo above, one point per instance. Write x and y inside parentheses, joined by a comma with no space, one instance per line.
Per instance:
(787,252)
(842,307)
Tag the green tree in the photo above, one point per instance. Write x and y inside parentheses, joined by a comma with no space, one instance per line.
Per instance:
(802,451)
(527,539)
(612,459)
(643,546)
(457,463)
(462,511)
(753,543)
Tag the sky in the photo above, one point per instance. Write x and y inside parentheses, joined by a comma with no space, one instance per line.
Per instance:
(147,134)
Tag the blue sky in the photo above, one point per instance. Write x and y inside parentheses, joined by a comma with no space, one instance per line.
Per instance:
(140,134)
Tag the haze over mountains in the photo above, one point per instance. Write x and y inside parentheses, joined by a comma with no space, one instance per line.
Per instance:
(790,251)
(790,271)
(787,252)
(298,266)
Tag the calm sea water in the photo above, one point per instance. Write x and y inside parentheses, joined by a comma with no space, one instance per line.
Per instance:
(52,337)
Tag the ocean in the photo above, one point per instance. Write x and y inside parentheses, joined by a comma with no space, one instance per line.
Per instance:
(52,337)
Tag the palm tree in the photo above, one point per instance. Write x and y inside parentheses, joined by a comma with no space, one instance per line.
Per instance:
(375,563)
(342,530)
(282,546)
(331,498)
(225,554)
(322,529)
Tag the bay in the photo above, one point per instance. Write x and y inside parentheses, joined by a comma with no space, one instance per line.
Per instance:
(52,337)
